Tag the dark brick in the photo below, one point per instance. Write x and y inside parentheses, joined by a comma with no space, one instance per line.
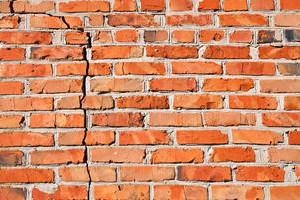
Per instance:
(149,36)
(292,35)
(289,68)
(266,36)
(11,158)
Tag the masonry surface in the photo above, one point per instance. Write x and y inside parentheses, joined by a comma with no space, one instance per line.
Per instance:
(149,99)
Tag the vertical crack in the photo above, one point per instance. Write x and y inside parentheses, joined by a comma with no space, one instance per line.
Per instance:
(11,6)
(63,19)
(85,158)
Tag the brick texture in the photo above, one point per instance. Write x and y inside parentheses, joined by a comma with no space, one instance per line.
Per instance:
(149,99)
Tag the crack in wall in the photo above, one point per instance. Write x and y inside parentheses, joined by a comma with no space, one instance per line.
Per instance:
(84,92)
(11,6)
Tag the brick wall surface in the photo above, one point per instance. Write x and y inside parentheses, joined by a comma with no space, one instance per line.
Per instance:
(150,99)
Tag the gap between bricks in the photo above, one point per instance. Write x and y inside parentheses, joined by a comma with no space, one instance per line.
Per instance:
(85,158)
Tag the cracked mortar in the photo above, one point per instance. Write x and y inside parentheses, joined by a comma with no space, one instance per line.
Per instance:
(85,159)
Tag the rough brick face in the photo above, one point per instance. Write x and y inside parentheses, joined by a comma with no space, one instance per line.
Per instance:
(149,99)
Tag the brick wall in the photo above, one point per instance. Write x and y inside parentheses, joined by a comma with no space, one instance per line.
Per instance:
(150,99)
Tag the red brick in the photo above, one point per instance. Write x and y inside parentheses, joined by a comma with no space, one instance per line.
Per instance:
(241,36)
(285,20)
(50,86)
(287,155)
(294,137)
(118,155)
(124,5)
(26,175)
(13,193)
(61,192)
(19,139)
(192,20)
(56,120)
(173,84)
(183,36)
(25,37)
(237,192)
(204,173)
(209,5)
(84,6)
(70,102)
(25,70)
(69,69)
(289,5)
(201,137)
(80,174)
(155,36)
(57,53)
(140,68)
(71,138)
(281,119)
(118,119)
(229,119)
(172,52)
(231,85)
(97,102)
(51,157)
(147,173)
(256,137)
(9,22)
(96,20)
(12,54)
(12,158)
(180,5)
(250,68)
(143,137)
(253,102)
(76,38)
(234,5)
(54,22)
(210,35)
(175,119)
(11,87)
(280,86)
(198,101)
(4,8)
(196,68)
(134,20)
(121,191)
(259,5)
(99,69)
(287,52)
(33,7)
(26,104)
(149,5)
(99,137)
(172,155)
(233,154)
(143,102)
(246,20)
(284,192)
(103,37)
(116,52)
(11,121)
(126,35)
(292,103)
(226,52)
(260,173)
(92,138)
(179,192)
